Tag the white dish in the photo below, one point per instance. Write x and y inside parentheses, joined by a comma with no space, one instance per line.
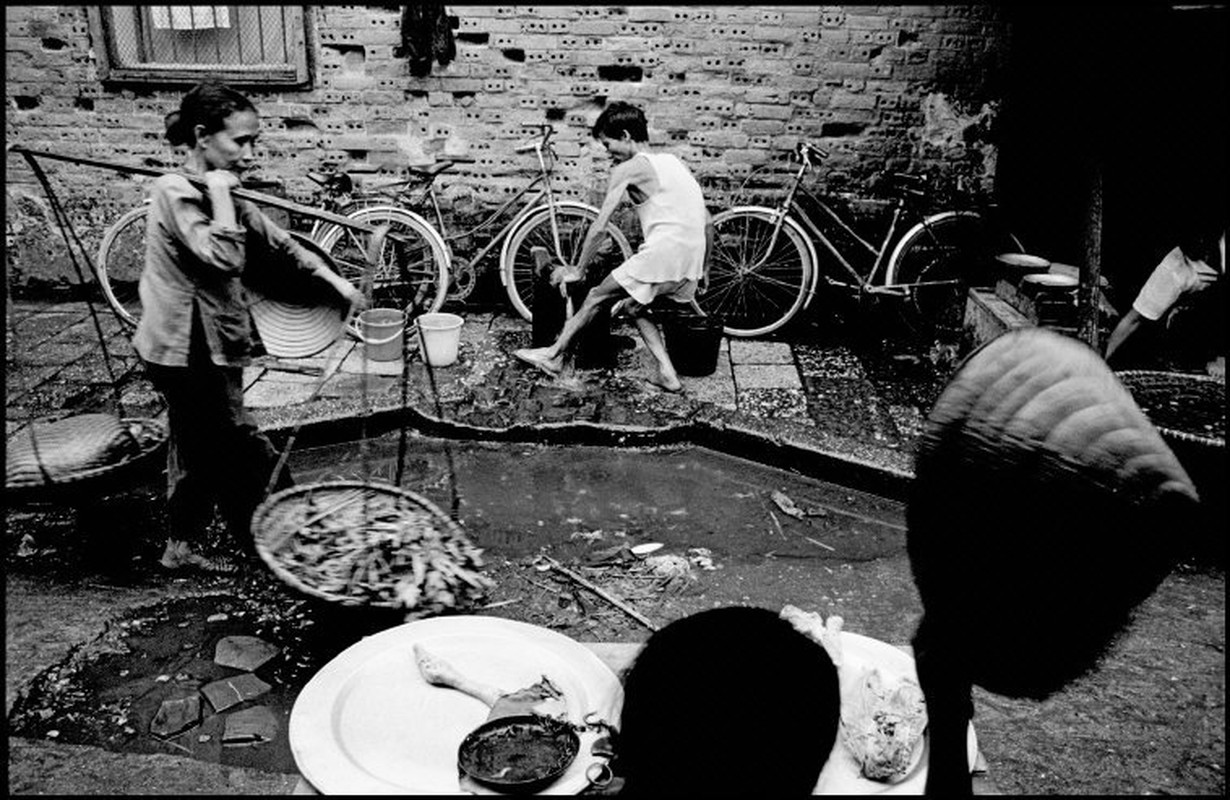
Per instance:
(368,723)
(841,772)
(1051,279)
(1023,260)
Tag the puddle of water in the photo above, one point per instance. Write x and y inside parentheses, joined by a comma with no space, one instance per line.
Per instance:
(518,498)
(108,693)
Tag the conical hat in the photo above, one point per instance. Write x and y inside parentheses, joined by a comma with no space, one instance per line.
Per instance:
(301,321)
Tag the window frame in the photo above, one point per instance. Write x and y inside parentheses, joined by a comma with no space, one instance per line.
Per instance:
(295,74)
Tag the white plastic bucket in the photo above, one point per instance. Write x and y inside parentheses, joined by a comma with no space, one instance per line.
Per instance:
(381,331)
(440,334)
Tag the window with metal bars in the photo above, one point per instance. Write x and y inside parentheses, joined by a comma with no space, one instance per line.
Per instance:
(245,45)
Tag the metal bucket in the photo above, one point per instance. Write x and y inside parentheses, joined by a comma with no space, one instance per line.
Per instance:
(381,330)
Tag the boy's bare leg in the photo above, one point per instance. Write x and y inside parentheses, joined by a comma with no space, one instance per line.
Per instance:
(551,358)
(653,340)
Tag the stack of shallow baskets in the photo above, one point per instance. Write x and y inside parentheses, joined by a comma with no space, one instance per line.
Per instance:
(360,543)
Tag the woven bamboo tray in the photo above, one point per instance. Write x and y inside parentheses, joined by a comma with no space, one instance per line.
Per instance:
(1198,393)
(286,514)
(150,436)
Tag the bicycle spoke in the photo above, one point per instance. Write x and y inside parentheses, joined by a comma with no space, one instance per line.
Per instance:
(409,269)
(519,267)
(759,272)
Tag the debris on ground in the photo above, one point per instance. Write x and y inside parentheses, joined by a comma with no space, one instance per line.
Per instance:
(701,557)
(787,506)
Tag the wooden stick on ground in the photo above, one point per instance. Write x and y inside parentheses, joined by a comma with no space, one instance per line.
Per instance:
(615,601)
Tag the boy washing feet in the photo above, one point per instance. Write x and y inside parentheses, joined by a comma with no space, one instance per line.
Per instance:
(670,263)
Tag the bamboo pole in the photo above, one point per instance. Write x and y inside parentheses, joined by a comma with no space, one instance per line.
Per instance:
(615,601)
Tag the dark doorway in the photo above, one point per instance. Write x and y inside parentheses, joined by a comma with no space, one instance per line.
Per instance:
(1140,91)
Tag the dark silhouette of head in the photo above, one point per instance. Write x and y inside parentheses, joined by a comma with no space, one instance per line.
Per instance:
(730,701)
(1045,508)
(619,118)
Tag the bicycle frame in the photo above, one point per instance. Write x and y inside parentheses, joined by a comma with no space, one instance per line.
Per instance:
(407,197)
(882,255)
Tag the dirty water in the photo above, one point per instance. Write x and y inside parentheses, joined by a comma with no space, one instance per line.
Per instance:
(515,500)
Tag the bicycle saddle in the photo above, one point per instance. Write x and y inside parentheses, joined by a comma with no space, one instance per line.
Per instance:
(334,181)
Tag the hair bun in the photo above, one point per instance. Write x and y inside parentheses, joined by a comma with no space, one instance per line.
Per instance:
(175,133)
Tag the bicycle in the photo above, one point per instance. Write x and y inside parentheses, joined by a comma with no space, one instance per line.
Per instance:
(541,221)
(412,257)
(765,267)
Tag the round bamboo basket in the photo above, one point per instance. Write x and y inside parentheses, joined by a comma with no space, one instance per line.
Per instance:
(1203,397)
(286,514)
(42,472)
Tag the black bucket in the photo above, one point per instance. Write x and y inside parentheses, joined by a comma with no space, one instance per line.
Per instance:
(594,347)
(692,342)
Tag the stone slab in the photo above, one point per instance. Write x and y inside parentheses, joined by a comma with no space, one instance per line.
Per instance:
(718,388)
(774,403)
(249,727)
(176,716)
(247,653)
(230,692)
(746,351)
(273,393)
(766,376)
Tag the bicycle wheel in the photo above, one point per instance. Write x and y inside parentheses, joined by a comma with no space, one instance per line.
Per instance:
(121,257)
(412,271)
(942,257)
(574,220)
(754,289)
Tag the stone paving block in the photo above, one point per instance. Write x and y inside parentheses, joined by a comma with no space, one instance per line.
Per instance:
(718,388)
(766,376)
(176,716)
(743,351)
(359,363)
(230,692)
(244,652)
(271,393)
(250,727)
(774,404)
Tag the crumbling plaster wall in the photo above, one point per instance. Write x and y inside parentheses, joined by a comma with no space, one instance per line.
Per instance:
(728,88)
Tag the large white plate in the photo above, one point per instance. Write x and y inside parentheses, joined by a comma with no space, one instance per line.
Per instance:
(368,723)
(841,772)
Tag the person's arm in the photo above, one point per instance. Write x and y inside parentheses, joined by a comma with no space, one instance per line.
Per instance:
(307,261)
(1129,323)
(193,220)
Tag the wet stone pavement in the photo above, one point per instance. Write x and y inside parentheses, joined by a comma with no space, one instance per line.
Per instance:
(870,406)
(107,657)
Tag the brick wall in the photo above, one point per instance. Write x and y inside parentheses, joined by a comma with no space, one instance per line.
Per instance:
(727,88)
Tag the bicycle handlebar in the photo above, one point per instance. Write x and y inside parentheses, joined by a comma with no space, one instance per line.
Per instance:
(805,151)
(547,130)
